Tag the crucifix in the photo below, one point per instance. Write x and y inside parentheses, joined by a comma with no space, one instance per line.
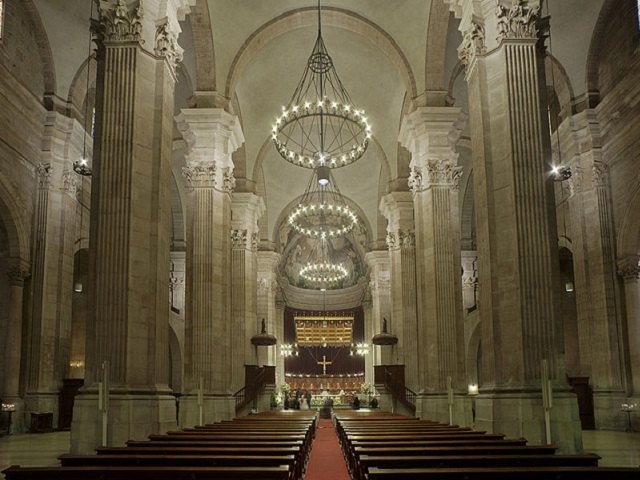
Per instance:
(324,364)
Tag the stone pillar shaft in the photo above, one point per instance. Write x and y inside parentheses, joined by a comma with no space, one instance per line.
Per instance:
(267,309)
(212,135)
(629,270)
(397,207)
(378,262)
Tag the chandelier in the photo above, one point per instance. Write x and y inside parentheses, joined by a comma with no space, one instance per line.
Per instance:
(81,166)
(319,268)
(322,212)
(321,126)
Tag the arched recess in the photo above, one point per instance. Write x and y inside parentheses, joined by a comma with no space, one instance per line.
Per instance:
(17,231)
(561,98)
(569,313)
(331,16)
(79,94)
(436,47)
(598,40)
(46,58)
(629,236)
(203,37)
(468,217)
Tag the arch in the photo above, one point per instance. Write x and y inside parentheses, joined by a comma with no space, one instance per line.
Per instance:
(595,50)
(306,17)
(458,70)
(436,46)
(558,79)
(467,216)
(205,57)
(17,232)
(46,57)
(629,237)
(78,91)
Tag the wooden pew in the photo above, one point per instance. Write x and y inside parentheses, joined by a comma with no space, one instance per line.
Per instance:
(506,473)
(146,473)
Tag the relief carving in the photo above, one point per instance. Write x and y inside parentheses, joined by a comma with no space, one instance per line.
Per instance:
(43,174)
(199,176)
(239,238)
(519,21)
(472,44)
(167,46)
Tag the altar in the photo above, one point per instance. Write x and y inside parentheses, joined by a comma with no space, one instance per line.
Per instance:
(331,384)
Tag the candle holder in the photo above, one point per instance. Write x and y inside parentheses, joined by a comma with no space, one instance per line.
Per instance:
(629,408)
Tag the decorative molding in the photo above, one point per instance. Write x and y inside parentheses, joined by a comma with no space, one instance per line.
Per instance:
(600,174)
(17,276)
(119,22)
(255,239)
(239,239)
(407,238)
(70,183)
(517,22)
(200,176)
(229,181)
(391,240)
(629,268)
(436,173)
(167,46)
(43,174)
(472,44)
(576,180)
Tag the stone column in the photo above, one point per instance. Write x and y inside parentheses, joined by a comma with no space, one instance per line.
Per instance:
(369,332)
(397,207)
(212,135)
(430,134)
(629,270)
(517,244)
(469,259)
(130,222)
(380,285)
(279,331)
(17,274)
(267,289)
(598,303)
(49,329)
(246,210)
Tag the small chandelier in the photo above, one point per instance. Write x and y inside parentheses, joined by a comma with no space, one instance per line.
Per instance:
(320,125)
(319,269)
(81,166)
(322,212)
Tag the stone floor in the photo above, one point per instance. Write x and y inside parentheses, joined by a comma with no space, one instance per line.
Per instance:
(615,448)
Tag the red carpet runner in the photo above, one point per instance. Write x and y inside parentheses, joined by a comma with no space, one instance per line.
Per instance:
(326,461)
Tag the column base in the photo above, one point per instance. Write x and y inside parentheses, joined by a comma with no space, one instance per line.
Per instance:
(40,402)
(131,417)
(607,412)
(216,408)
(435,407)
(521,414)
(18,422)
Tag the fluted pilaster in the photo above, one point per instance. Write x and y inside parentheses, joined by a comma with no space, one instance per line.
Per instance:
(212,135)
(247,208)
(397,207)
(629,271)
(515,220)
(380,285)
(267,291)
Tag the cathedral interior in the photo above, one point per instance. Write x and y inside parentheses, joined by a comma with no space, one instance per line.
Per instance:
(156,245)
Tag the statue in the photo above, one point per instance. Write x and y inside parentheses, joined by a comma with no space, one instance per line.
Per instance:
(264,328)
(384,325)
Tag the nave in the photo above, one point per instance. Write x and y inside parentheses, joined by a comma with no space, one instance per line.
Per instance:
(365,444)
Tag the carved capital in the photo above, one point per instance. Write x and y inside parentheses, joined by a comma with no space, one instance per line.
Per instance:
(517,22)
(255,239)
(239,239)
(407,238)
(629,269)
(118,21)
(167,46)
(472,44)
(600,174)
(436,173)
(43,174)
(391,240)
(200,176)
(17,276)
(576,180)
(228,181)
(70,183)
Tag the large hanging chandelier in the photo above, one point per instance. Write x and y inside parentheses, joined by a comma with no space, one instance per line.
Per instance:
(322,212)
(319,269)
(321,126)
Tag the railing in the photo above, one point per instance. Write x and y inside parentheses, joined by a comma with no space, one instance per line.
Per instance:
(255,380)
(392,377)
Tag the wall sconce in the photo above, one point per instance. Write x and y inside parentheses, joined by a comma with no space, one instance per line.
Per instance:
(76,364)
(568,287)
(289,350)
(359,349)
(472,389)
(561,173)
(77,287)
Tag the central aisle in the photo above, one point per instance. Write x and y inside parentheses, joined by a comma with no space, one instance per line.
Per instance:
(326,461)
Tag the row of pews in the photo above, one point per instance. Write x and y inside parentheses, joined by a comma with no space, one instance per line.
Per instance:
(384,446)
(268,446)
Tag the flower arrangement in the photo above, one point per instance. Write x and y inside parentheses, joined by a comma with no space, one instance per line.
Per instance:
(365,388)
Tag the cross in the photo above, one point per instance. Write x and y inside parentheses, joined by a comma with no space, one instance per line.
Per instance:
(324,364)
